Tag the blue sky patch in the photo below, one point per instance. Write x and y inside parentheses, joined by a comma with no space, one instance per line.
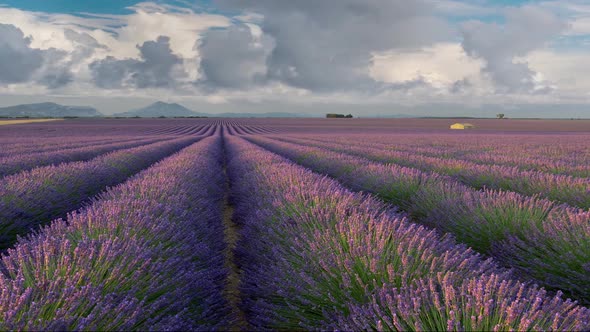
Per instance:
(73,6)
(96,6)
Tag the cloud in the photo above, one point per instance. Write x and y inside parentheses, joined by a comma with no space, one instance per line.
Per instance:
(327,46)
(304,52)
(83,39)
(239,67)
(55,72)
(58,64)
(18,61)
(577,11)
(526,29)
(463,8)
(569,71)
(441,65)
(155,68)
(21,63)
(89,38)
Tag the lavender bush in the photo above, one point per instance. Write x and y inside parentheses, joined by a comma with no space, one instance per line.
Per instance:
(563,188)
(556,154)
(11,148)
(32,197)
(446,303)
(489,221)
(146,255)
(22,161)
(314,255)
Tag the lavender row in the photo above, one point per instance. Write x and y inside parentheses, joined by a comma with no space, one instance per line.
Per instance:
(556,165)
(46,145)
(485,303)
(30,198)
(557,154)
(317,256)
(563,188)
(147,255)
(11,147)
(106,128)
(545,242)
(496,151)
(567,155)
(27,161)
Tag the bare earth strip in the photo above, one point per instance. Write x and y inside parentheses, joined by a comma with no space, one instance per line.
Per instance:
(232,236)
(12,122)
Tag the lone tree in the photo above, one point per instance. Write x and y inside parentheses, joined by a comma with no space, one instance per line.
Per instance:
(500,116)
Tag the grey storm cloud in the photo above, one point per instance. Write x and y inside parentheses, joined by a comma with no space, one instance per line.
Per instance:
(86,45)
(83,39)
(56,72)
(526,29)
(18,61)
(155,69)
(323,45)
(241,66)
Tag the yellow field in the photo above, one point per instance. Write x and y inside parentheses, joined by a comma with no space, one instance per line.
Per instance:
(10,122)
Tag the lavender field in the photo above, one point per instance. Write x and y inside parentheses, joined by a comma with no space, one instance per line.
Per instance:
(295,224)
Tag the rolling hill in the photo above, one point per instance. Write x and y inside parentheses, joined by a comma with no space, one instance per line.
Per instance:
(158,109)
(48,110)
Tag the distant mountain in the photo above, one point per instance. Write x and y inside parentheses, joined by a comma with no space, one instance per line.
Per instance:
(158,109)
(169,110)
(48,110)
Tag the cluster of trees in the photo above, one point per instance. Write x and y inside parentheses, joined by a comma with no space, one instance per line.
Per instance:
(339,116)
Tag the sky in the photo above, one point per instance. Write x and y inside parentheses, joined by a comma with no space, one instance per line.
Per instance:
(365,57)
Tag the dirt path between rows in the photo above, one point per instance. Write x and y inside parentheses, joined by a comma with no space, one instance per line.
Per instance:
(232,235)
